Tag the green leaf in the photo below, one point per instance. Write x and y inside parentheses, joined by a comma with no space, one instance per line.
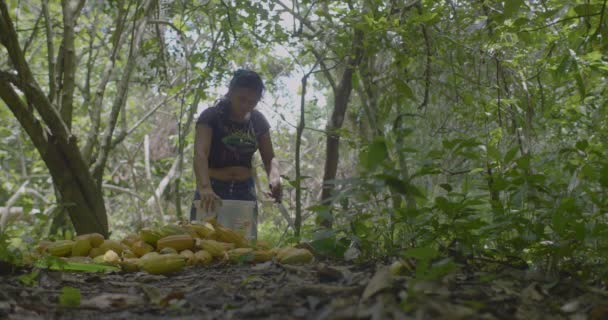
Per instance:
(446,187)
(582,145)
(510,155)
(29,279)
(422,253)
(401,186)
(604,176)
(57,264)
(512,7)
(405,89)
(376,154)
(70,297)
(523,162)
(587,9)
(325,242)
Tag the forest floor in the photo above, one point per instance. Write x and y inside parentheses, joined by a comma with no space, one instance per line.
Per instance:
(322,290)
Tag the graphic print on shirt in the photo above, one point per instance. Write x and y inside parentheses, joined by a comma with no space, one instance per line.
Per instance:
(239,141)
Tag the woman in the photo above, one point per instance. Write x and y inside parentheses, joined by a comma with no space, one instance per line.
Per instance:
(227,135)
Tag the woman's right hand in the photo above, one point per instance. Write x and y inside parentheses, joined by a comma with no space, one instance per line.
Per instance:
(209,200)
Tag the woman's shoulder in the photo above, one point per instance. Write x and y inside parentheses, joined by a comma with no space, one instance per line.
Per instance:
(210,114)
(259,121)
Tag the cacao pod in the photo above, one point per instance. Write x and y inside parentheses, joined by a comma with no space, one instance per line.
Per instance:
(262,256)
(295,256)
(128,254)
(189,255)
(227,235)
(171,230)
(163,264)
(130,240)
(95,239)
(204,230)
(130,265)
(140,248)
(215,248)
(81,247)
(60,248)
(178,242)
(167,250)
(240,255)
(202,258)
(113,245)
(96,252)
(111,257)
(149,236)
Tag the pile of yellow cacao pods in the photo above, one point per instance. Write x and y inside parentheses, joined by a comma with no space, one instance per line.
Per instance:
(171,248)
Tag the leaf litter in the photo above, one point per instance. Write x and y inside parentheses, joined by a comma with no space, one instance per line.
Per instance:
(321,290)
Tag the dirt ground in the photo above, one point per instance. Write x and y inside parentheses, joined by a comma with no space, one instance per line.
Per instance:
(322,290)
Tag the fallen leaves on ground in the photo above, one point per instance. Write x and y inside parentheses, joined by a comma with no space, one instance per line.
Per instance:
(322,290)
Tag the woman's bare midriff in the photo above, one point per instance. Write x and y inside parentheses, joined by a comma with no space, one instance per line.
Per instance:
(230,173)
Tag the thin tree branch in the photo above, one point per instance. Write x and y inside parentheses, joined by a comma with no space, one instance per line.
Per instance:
(50,49)
(71,11)
(562,20)
(121,95)
(97,105)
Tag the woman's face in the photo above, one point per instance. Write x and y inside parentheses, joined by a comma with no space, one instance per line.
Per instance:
(242,101)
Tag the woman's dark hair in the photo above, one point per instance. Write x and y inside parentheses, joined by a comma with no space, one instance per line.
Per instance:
(243,78)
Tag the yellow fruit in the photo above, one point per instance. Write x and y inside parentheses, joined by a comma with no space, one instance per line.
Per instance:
(240,255)
(167,250)
(262,256)
(202,258)
(280,252)
(140,248)
(96,252)
(295,256)
(171,230)
(128,254)
(178,242)
(204,231)
(163,264)
(149,254)
(95,239)
(113,245)
(111,257)
(189,255)
(99,259)
(130,240)
(60,248)
(227,235)
(262,245)
(130,265)
(216,249)
(212,221)
(149,236)
(81,247)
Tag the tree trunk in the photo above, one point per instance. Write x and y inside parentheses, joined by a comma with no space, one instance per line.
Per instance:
(53,140)
(341,96)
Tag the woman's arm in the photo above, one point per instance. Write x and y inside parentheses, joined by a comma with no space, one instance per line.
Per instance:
(202,145)
(271,165)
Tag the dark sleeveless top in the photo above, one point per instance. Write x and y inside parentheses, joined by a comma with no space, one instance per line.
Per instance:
(233,143)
